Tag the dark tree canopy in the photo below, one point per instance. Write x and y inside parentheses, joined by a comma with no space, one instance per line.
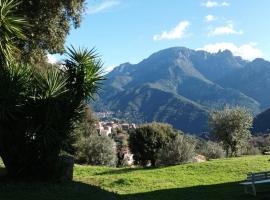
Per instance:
(51,21)
(146,141)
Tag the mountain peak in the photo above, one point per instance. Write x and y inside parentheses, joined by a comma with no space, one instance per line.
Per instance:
(259,60)
(173,52)
(225,52)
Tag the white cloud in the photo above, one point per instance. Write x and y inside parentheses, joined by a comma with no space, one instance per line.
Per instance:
(176,33)
(209,18)
(247,51)
(225,30)
(213,4)
(109,69)
(51,59)
(103,6)
(226,4)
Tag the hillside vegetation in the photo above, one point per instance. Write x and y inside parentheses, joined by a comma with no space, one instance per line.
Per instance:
(216,179)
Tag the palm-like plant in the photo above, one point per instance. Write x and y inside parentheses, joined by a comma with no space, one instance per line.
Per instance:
(88,74)
(38,110)
(11,29)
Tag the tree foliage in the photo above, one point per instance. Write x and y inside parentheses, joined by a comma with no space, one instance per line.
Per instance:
(231,126)
(86,126)
(146,141)
(51,21)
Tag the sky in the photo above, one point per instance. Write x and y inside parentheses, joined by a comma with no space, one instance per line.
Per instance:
(131,30)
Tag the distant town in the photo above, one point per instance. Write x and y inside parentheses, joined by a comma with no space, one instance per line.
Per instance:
(107,124)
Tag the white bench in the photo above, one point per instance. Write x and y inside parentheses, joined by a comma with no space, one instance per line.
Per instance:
(254,179)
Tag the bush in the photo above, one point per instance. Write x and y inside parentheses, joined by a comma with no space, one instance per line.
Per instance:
(146,141)
(96,150)
(212,150)
(251,150)
(179,150)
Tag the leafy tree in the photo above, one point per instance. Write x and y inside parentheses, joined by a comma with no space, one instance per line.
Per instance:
(86,126)
(96,150)
(146,141)
(231,126)
(38,109)
(51,21)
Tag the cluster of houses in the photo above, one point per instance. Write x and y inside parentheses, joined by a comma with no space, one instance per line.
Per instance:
(106,127)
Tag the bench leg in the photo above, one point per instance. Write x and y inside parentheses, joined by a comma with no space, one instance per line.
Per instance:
(246,189)
(253,189)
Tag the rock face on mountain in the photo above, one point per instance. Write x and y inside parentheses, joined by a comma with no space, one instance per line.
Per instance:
(261,122)
(180,86)
(253,80)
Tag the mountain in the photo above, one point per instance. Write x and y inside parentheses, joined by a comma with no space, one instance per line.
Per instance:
(261,122)
(178,86)
(154,104)
(253,80)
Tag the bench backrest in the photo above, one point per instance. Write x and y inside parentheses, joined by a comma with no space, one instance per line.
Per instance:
(258,176)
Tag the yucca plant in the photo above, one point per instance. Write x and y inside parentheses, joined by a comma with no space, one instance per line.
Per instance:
(11,29)
(38,110)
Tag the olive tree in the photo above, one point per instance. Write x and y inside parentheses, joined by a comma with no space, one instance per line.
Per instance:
(231,126)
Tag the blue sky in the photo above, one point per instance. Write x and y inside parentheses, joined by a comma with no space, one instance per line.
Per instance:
(131,30)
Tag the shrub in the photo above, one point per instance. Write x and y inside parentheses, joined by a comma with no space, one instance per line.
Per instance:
(262,142)
(96,150)
(251,150)
(212,150)
(177,151)
(146,141)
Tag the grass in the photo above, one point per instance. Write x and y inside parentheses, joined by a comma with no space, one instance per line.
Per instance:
(217,179)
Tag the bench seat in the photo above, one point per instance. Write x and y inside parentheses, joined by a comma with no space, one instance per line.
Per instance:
(256,182)
(255,178)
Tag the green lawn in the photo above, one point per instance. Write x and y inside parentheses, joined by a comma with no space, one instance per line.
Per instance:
(217,179)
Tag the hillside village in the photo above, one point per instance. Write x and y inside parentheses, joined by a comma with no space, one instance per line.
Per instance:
(106,127)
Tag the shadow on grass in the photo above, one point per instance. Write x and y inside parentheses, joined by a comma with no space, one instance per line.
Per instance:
(10,190)
(80,191)
(227,191)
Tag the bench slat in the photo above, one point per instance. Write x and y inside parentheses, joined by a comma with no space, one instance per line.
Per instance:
(258,176)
